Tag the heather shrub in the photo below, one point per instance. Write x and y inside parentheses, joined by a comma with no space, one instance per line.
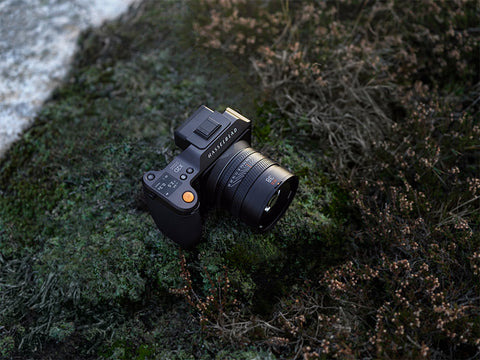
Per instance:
(420,236)
(335,68)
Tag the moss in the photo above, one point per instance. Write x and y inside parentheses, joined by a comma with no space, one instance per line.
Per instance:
(85,264)
(59,331)
(7,344)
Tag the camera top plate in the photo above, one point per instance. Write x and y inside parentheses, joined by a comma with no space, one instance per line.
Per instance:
(204,136)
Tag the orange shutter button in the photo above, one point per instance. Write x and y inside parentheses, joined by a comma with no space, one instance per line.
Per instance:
(188,196)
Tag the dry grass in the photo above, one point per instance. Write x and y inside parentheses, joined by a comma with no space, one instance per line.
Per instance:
(341,67)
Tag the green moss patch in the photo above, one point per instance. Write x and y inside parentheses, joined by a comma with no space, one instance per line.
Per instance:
(82,263)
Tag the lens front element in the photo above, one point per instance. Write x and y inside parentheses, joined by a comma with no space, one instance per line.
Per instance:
(272,202)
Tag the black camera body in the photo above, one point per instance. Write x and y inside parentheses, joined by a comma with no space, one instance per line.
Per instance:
(217,166)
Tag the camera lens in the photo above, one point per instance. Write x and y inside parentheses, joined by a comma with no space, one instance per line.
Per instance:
(251,186)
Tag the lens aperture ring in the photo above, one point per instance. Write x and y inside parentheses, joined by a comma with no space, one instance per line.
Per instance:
(247,182)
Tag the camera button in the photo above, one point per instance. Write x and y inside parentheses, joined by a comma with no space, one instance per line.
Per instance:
(188,197)
(183,177)
(189,170)
(150,177)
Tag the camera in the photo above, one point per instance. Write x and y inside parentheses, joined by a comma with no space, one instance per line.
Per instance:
(217,167)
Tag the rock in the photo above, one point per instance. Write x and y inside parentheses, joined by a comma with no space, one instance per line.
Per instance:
(37,42)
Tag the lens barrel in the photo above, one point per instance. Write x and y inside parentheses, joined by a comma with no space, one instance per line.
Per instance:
(251,186)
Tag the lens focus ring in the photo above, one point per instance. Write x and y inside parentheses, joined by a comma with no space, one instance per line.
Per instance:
(247,182)
(230,169)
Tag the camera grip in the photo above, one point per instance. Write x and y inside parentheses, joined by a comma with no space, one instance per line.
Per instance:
(186,230)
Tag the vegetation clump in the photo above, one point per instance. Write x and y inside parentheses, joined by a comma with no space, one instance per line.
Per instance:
(374,105)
